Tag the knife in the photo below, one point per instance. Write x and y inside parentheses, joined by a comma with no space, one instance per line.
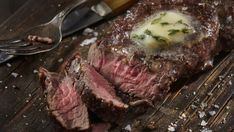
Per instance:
(81,18)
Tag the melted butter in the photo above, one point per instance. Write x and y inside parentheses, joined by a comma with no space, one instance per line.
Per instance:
(163,29)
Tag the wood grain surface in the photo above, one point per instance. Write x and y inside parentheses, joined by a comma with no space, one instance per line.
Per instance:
(23,107)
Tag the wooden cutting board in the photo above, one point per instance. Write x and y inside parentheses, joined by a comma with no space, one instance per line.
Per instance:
(23,107)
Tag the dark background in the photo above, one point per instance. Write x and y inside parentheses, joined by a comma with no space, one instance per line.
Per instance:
(8,7)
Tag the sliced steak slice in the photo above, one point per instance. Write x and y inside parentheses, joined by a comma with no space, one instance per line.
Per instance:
(119,59)
(133,76)
(99,95)
(64,101)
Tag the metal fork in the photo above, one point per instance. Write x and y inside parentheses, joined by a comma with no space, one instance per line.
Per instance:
(44,37)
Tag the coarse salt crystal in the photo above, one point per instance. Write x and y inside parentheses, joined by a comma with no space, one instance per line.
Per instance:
(216,106)
(203,105)
(184,8)
(212,113)
(128,128)
(14,74)
(8,65)
(201,114)
(87,31)
(171,128)
(203,123)
(35,71)
(60,60)
(206,130)
(88,41)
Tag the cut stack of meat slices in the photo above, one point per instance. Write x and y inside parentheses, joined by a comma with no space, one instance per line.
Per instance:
(118,74)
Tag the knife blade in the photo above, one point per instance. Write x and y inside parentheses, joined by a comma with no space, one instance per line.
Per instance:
(84,17)
(81,18)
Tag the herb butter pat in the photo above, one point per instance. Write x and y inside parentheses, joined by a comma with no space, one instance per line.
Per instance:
(163,29)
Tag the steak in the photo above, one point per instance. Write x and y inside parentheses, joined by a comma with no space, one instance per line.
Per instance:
(63,100)
(129,67)
(119,73)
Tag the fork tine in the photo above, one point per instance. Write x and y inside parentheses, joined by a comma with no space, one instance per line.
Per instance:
(15,43)
(30,50)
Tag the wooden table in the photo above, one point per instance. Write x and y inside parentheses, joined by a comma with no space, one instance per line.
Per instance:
(23,107)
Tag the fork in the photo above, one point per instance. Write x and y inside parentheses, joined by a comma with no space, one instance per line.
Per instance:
(44,37)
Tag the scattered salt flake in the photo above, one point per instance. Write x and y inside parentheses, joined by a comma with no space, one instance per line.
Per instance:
(229,19)
(26,124)
(88,41)
(224,121)
(74,37)
(13,86)
(194,93)
(30,95)
(95,34)
(128,128)
(227,107)
(0,81)
(171,128)
(8,64)
(221,78)
(88,31)
(6,87)
(190,130)
(203,105)
(201,114)
(216,3)
(59,5)
(27,101)
(35,71)
(216,106)
(43,121)
(193,106)
(209,94)
(203,123)
(206,130)
(201,4)
(182,116)
(230,82)
(212,113)
(60,60)
(24,116)
(14,74)
(184,8)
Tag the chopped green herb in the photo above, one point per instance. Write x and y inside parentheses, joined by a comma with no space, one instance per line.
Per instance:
(185,30)
(163,14)
(141,37)
(164,23)
(148,32)
(180,22)
(156,37)
(173,31)
(157,20)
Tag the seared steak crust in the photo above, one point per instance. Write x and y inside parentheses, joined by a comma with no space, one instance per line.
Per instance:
(99,95)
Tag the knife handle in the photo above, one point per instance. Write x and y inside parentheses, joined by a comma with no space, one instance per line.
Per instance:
(118,6)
